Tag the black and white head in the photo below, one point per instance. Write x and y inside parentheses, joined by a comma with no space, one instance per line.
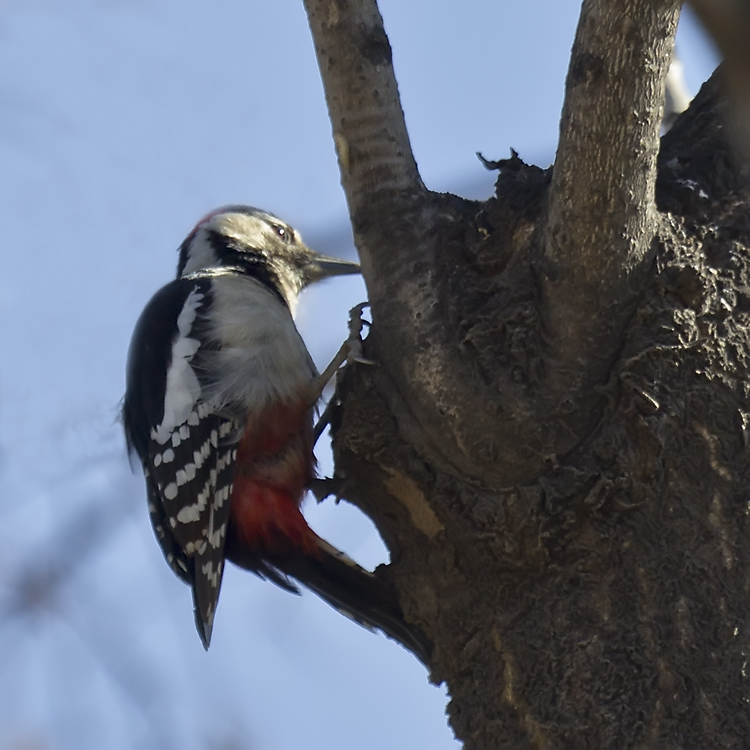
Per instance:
(258,244)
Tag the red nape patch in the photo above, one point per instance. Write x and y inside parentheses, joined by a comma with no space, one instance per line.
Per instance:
(269,519)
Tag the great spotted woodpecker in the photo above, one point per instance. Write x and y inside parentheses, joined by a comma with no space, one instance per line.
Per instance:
(219,408)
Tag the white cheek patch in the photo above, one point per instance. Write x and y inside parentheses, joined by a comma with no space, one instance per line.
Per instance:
(183,389)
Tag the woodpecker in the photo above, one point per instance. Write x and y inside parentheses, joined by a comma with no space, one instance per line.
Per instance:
(219,408)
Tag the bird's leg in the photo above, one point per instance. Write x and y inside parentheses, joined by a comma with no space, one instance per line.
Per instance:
(350,351)
(323,422)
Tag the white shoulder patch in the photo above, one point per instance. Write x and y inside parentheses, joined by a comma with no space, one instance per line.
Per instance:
(183,389)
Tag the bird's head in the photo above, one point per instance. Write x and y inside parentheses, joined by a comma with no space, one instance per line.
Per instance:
(261,245)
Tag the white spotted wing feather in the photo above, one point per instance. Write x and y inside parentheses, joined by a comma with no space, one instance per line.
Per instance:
(192,474)
(234,350)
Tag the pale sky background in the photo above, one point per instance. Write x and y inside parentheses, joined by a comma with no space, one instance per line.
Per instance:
(121,123)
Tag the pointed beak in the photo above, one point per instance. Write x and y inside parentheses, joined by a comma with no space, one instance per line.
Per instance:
(322,266)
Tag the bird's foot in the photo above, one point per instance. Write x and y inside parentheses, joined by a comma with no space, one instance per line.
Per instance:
(349,353)
(353,344)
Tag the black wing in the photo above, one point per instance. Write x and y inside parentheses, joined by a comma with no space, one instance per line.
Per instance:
(184,446)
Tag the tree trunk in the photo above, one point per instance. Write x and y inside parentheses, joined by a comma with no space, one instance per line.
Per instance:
(554,444)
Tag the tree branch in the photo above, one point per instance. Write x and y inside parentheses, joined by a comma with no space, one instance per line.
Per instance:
(601,217)
(400,230)
(369,130)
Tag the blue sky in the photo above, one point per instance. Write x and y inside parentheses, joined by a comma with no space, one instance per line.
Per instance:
(123,121)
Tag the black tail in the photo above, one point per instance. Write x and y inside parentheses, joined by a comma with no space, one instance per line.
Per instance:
(352,590)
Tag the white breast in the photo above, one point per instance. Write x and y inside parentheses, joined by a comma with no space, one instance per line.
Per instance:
(262,357)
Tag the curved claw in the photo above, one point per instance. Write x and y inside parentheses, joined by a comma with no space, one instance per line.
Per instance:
(354,342)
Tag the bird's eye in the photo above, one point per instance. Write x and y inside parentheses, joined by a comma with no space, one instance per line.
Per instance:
(283,232)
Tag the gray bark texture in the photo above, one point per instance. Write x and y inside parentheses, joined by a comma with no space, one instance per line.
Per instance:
(554,443)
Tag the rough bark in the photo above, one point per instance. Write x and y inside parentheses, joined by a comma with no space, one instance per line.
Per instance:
(601,214)
(554,445)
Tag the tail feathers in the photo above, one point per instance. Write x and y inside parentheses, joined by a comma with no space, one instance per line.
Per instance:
(337,579)
(244,557)
(357,593)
